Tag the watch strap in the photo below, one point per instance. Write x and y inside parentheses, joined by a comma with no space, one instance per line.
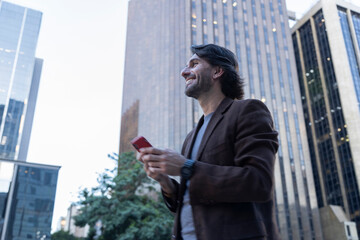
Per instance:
(187,169)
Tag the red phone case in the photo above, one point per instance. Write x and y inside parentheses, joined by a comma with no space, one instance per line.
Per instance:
(140,142)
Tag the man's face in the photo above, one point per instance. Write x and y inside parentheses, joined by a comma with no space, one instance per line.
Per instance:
(198,77)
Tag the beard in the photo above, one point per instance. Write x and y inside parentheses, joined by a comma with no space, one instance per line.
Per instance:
(195,90)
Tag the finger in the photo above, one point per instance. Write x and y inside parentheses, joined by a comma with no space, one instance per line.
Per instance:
(154,164)
(139,157)
(150,173)
(142,158)
(153,158)
(151,150)
(154,170)
(145,166)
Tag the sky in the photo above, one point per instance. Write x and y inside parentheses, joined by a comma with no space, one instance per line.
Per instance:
(78,111)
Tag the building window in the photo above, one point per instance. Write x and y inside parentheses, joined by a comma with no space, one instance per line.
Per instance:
(350,49)
(193,22)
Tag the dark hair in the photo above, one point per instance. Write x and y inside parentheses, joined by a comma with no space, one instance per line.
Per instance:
(232,85)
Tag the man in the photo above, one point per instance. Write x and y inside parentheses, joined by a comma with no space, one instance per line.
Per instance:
(227,161)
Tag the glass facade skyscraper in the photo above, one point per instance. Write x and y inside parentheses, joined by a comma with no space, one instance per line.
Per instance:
(326,43)
(159,37)
(19,76)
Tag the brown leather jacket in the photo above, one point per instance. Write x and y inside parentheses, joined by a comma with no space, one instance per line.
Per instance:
(231,189)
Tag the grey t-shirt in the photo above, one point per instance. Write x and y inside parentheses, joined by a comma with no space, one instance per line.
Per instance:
(187,221)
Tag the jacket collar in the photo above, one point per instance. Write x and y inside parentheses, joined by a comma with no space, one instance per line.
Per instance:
(215,119)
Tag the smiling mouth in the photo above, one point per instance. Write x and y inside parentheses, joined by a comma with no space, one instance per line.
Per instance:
(188,81)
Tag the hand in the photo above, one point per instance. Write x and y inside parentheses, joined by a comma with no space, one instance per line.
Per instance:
(166,162)
(159,177)
(163,179)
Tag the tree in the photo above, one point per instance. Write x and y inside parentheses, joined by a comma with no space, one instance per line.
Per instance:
(62,235)
(125,204)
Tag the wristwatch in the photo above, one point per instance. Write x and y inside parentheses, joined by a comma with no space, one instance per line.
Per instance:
(187,169)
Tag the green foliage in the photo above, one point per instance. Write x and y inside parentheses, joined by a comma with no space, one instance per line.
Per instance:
(62,235)
(122,203)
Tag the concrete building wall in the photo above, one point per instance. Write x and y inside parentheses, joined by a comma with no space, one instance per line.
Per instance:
(336,226)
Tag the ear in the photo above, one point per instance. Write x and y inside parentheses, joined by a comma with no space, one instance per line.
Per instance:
(218,72)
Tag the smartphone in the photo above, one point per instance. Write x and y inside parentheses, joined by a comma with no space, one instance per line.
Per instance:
(140,142)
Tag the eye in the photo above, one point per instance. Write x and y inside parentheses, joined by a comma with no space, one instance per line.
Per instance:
(194,64)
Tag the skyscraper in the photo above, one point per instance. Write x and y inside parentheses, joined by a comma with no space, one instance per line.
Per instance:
(19,77)
(159,37)
(327,47)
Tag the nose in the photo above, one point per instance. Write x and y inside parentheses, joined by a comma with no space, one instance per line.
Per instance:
(185,72)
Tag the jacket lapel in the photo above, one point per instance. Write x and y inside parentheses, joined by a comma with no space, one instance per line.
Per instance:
(215,119)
